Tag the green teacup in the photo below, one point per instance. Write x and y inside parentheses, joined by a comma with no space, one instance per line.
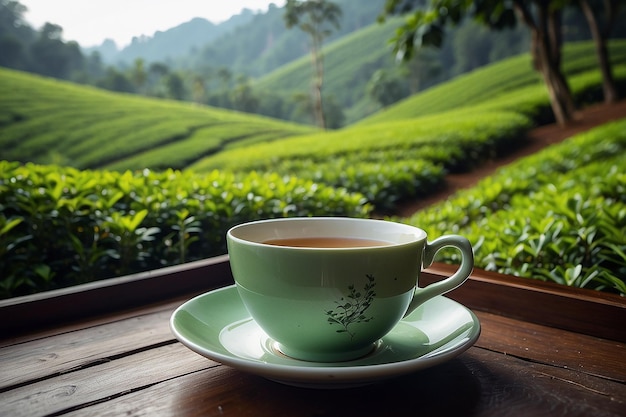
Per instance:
(326,289)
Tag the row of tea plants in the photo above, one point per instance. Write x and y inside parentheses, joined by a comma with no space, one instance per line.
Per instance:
(402,159)
(61,226)
(387,162)
(46,121)
(559,215)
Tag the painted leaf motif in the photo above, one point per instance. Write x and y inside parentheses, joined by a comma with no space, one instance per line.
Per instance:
(348,313)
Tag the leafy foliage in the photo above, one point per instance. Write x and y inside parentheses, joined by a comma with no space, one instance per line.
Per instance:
(60,226)
(388,162)
(352,308)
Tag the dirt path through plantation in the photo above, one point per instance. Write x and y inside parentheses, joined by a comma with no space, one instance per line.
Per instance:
(538,139)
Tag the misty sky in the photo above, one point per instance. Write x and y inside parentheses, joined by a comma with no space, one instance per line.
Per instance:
(89,22)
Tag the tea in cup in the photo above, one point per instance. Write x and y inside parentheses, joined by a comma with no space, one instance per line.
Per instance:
(326,289)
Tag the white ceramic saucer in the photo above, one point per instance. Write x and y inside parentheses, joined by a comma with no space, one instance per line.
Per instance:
(217,325)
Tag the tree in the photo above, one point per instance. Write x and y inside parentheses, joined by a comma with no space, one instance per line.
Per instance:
(12,21)
(605,13)
(157,72)
(333,113)
(175,86)
(312,17)
(139,75)
(301,108)
(385,88)
(53,57)
(426,27)
(472,45)
(12,52)
(116,81)
(423,70)
(243,98)
(198,89)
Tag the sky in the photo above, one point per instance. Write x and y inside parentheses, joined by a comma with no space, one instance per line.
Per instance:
(89,22)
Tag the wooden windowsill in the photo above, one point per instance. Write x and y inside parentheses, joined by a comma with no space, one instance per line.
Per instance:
(584,311)
(580,310)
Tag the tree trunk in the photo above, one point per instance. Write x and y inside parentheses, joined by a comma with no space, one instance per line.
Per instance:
(602,53)
(316,85)
(545,50)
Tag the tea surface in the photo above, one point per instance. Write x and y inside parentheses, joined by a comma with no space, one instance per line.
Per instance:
(327,242)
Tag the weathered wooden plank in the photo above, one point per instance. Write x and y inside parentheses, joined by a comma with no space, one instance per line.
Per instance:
(479,383)
(43,358)
(128,362)
(553,347)
(129,378)
(519,387)
(80,324)
(101,382)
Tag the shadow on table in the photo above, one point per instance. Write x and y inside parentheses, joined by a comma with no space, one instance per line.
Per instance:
(449,389)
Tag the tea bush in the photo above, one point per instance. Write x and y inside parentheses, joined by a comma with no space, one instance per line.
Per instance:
(559,215)
(382,183)
(468,132)
(61,226)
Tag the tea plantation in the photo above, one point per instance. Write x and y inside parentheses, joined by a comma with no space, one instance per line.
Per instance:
(95,184)
(48,121)
(558,215)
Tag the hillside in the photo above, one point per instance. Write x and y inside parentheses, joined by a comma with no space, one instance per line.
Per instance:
(249,43)
(265,43)
(509,86)
(348,64)
(49,121)
(538,139)
(170,44)
(491,82)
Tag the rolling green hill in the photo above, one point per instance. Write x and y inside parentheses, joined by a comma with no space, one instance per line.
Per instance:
(351,61)
(44,120)
(348,64)
(493,81)
(505,92)
(48,121)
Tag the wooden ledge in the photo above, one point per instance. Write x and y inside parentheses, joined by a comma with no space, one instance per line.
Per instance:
(79,302)
(584,311)
(579,310)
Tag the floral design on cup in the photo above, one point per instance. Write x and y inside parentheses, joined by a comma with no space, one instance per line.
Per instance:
(351,309)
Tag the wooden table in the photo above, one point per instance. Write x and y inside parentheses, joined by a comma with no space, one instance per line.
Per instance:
(106,349)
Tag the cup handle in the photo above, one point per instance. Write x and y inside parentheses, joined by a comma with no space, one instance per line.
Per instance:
(461,243)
